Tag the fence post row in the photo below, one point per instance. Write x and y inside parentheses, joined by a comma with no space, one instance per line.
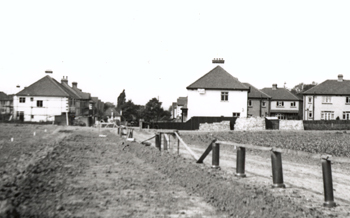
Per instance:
(327,182)
(277,171)
(240,162)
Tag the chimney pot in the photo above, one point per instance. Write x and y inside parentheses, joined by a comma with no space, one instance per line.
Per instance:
(340,78)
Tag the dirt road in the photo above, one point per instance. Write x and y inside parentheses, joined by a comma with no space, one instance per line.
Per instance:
(302,173)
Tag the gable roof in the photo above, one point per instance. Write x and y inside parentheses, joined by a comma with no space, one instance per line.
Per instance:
(330,87)
(70,90)
(255,93)
(46,86)
(280,94)
(5,97)
(217,79)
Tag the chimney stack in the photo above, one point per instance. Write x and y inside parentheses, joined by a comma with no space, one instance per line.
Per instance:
(218,61)
(75,84)
(64,80)
(340,78)
(274,86)
(48,71)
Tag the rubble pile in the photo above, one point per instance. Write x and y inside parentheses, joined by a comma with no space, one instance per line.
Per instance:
(222,126)
(291,125)
(250,124)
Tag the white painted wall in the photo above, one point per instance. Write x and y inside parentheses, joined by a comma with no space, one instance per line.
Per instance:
(338,105)
(51,106)
(287,106)
(210,104)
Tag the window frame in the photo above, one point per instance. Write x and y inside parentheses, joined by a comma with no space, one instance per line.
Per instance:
(224,96)
(326,100)
(22,100)
(347,100)
(327,115)
(250,103)
(279,103)
(38,103)
(310,100)
(293,104)
(236,114)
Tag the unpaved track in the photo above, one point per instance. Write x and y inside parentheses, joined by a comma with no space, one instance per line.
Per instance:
(302,175)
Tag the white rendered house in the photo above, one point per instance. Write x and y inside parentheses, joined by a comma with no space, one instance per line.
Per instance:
(217,93)
(330,100)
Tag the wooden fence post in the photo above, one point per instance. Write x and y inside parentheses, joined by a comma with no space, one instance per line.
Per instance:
(327,183)
(158,141)
(216,156)
(165,142)
(240,162)
(277,172)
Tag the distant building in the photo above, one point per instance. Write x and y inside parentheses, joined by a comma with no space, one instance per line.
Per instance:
(328,100)
(179,112)
(258,102)
(217,93)
(6,105)
(284,104)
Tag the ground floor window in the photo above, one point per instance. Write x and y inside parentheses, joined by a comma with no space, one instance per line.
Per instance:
(327,115)
(346,115)
(310,114)
(281,116)
(236,114)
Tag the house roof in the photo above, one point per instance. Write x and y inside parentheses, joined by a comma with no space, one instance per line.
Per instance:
(280,94)
(83,95)
(218,79)
(182,101)
(70,90)
(5,97)
(330,87)
(255,93)
(46,86)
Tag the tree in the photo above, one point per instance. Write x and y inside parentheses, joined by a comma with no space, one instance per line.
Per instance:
(301,87)
(154,112)
(130,111)
(121,100)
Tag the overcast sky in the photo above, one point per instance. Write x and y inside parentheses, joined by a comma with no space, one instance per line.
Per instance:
(158,48)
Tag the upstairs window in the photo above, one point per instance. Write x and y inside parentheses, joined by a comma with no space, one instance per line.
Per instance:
(39,103)
(279,103)
(249,103)
(224,96)
(31,99)
(347,100)
(292,104)
(263,104)
(22,100)
(310,100)
(326,99)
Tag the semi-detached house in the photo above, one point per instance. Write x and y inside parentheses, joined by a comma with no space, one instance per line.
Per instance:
(328,100)
(217,93)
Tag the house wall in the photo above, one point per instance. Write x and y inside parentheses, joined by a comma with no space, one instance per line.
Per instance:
(51,106)
(338,105)
(210,104)
(256,110)
(287,106)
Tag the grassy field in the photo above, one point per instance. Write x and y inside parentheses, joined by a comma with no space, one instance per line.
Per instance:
(335,143)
